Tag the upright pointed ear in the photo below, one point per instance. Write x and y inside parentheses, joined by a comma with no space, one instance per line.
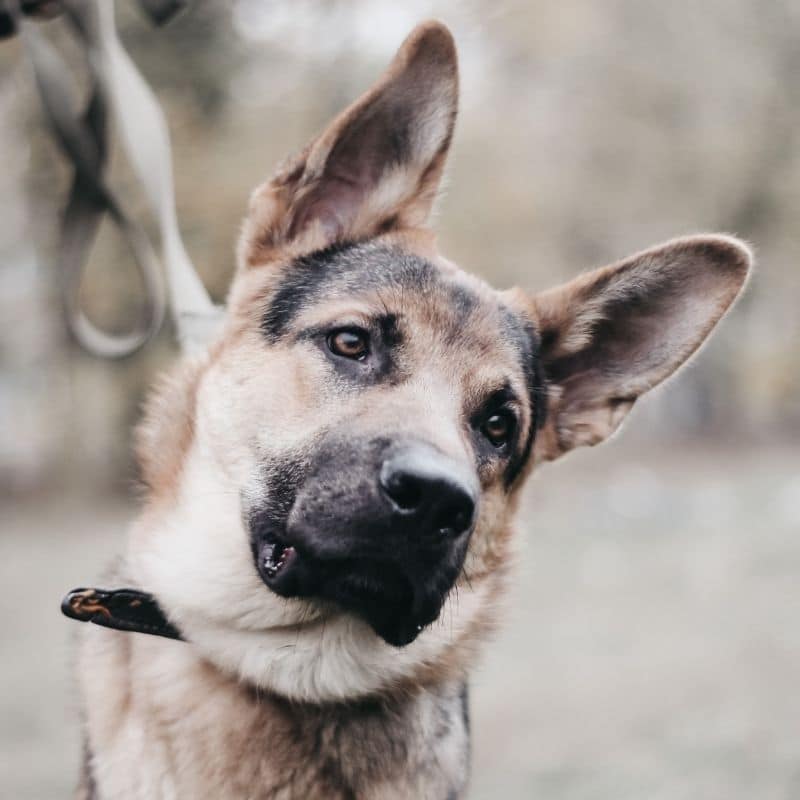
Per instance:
(611,335)
(376,167)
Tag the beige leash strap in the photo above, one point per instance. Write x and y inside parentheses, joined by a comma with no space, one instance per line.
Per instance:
(146,138)
(116,82)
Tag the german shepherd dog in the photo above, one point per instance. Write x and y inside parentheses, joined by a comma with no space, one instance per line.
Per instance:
(331,487)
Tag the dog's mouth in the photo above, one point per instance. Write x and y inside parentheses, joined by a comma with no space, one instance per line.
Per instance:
(379,591)
(275,556)
(279,564)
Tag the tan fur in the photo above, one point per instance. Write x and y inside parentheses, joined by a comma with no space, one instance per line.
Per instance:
(163,439)
(283,698)
(180,735)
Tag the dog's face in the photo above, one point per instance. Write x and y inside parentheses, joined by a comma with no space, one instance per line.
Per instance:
(335,516)
(404,402)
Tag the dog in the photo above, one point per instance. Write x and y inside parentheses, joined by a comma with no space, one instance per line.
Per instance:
(331,486)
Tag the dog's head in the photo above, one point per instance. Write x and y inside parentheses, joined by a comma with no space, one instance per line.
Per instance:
(333,486)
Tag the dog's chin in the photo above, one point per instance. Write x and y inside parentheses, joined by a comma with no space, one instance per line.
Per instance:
(379,592)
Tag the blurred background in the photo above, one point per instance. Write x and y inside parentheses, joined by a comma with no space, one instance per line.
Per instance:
(652,647)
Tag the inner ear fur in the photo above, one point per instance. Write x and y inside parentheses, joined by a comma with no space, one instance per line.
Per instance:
(612,334)
(375,168)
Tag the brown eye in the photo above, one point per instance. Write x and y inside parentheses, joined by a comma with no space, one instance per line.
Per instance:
(498,428)
(349,344)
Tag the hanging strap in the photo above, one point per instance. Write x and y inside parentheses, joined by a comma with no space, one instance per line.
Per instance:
(146,139)
(116,82)
(83,137)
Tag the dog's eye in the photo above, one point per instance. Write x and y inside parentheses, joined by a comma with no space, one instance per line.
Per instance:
(349,343)
(498,428)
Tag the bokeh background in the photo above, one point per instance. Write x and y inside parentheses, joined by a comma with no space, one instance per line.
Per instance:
(652,648)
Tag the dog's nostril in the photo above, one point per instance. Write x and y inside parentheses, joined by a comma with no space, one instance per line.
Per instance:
(455,515)
(406,491)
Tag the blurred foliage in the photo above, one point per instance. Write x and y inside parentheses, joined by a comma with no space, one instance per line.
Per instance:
(588,130)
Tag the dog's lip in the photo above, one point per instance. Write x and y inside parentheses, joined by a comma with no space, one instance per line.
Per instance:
(276,556)
(277,563)
(341,582)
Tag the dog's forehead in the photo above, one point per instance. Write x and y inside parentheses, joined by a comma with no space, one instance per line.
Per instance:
(457,308)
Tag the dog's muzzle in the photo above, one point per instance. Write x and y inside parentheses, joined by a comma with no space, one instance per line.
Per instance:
(380,530)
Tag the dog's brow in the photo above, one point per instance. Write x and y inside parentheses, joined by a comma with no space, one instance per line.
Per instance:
(494,396)
(301,282)
(386,323)
(357,268)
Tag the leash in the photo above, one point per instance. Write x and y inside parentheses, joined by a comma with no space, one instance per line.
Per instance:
(115,85)
(82,134)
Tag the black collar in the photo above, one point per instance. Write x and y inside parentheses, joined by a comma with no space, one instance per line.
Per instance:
(122,609)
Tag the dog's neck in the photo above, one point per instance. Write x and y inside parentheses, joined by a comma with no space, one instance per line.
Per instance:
(209,735)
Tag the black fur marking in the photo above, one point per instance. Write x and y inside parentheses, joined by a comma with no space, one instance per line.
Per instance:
(463,300)
(88,785)
(301,282)
(348,269)
(465,707)
(524,334)
(390,330)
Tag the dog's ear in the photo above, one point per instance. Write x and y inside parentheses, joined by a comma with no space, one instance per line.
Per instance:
(376,167)
(612,334)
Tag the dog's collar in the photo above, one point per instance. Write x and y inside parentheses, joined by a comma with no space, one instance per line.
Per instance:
(121,609)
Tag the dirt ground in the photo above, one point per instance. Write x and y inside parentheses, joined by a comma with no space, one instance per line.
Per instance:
(652,648)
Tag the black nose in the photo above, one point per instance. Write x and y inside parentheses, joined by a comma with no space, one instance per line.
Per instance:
(429,490)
